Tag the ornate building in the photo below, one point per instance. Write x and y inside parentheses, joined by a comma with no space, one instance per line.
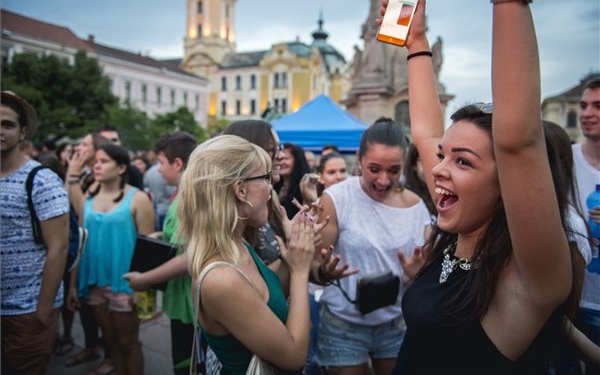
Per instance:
(379,80)
(250,84)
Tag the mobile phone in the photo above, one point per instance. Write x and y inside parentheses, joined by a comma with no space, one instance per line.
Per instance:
(396,21)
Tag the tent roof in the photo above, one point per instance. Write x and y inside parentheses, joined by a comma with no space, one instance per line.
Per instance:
(320,122)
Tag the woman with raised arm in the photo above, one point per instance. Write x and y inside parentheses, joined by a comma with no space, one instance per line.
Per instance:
(497,275)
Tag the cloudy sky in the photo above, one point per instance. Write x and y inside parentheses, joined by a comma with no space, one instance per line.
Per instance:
(568,32)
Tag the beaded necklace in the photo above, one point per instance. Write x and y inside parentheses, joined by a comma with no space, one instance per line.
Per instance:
(450,262)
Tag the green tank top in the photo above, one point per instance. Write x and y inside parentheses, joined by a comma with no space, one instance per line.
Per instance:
(234,357)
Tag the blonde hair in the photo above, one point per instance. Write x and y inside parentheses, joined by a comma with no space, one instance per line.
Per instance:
(207,210)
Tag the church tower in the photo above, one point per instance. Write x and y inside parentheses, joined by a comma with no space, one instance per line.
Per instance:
(210,34)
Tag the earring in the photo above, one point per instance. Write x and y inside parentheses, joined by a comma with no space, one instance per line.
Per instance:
(251,207)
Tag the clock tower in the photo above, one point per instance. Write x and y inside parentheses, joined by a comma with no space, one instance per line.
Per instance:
(210,34)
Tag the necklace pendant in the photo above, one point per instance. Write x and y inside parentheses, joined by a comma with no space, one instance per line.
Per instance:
(447,268)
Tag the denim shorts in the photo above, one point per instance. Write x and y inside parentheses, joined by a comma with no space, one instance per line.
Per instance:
(341,343)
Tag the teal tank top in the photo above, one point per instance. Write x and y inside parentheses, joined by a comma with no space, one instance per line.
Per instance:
(109,247)
(234,357)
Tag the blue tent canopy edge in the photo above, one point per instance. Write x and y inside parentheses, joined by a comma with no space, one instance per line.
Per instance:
(319,122)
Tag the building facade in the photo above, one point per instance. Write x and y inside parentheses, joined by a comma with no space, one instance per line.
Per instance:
(264,83)
(152,86)
(379,77)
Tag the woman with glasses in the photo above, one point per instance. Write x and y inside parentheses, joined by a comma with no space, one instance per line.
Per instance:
(262,134)
(242,306)
(261,238)
(497,274)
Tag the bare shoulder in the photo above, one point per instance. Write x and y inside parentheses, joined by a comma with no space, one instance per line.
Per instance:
(404,198)
(139,196)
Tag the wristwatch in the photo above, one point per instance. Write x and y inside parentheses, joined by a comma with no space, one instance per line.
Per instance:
(506,1)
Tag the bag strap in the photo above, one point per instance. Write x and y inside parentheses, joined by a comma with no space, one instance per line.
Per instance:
(35,221)
(196,300)
(344,293)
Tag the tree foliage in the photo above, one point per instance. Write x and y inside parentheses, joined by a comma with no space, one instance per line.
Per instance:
(73,98)
(67,97)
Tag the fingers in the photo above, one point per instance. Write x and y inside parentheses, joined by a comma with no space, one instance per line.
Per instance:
(401,258)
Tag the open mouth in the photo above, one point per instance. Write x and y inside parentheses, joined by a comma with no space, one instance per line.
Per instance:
(446,198)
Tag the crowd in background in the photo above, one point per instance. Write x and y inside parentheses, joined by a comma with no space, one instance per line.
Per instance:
(483,226)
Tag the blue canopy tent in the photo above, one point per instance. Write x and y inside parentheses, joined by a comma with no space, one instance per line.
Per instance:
(320,122)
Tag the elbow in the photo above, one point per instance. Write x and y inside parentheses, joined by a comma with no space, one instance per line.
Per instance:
(291,361)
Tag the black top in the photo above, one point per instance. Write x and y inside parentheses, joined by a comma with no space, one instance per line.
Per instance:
(135,177)
(435,345)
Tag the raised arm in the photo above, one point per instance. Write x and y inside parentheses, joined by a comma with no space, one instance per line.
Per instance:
(426,116)
(540,247)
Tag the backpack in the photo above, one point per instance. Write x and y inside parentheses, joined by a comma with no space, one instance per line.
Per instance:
(77,234)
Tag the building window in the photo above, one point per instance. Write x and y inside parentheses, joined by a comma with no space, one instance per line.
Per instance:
(158,95)
(199,31)
(172,97)
(144,93)
(253,82)
(276,80)
(199,7)
(252,106)
(128,90)
(238,107)
(401,116)
(238,82)
(223,108)
(223,83)
(571,120)
(283,105)
(185,96)
(276,105)
(197,102)
(284,79)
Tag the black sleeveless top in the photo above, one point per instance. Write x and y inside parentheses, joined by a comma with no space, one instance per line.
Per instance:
(434,345)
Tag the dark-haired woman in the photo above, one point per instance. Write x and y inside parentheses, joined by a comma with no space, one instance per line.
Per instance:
(292,167)
(372,217)
(114,213)
(498,274)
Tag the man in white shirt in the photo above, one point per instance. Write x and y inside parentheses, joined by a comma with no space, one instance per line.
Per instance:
(587,173)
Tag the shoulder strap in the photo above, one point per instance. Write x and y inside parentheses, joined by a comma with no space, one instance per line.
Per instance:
(209,268)
(196,299)
(35,221)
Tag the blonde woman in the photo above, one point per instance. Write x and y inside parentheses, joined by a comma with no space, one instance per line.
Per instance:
(243,306)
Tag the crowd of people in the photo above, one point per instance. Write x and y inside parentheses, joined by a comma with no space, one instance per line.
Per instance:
(458,250)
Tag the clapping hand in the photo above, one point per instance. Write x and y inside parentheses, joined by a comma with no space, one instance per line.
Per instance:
(412,264)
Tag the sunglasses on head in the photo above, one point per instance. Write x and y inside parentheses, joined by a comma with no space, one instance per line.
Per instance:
(487,108)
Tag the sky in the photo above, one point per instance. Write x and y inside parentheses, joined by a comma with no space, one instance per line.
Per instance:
(568,32)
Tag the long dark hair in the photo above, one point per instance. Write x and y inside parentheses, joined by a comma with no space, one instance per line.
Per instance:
(121,157)
(261,134)
(494,248)
(413,182)
(560,157)
(299,169)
